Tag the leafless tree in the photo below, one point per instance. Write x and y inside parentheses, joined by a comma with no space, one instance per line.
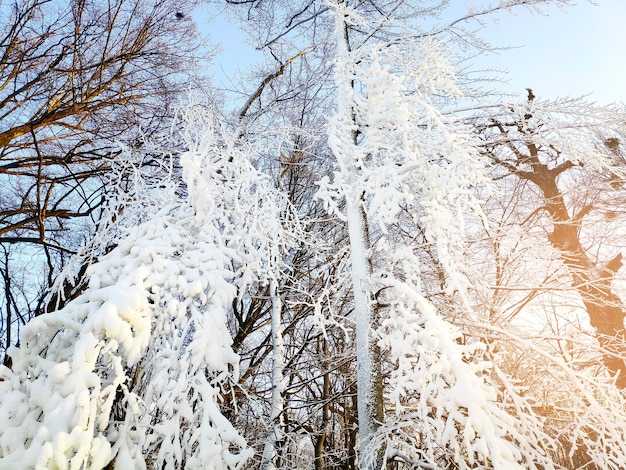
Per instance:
(570,172)
(77,77)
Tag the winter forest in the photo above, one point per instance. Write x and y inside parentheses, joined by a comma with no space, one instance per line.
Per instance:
(361,254)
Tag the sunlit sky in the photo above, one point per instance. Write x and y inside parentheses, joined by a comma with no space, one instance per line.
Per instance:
(578,51)
(575,52)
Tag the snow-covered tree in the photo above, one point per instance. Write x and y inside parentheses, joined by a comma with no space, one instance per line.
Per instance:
(307,296)
(132,372)
(556,233)
(403,166)
(76,78)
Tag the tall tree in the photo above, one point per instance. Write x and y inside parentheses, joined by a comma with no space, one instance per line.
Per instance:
(554,146)
(144,353)
(403,167)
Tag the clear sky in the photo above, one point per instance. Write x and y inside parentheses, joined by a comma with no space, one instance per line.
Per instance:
(573,52)
(570,52)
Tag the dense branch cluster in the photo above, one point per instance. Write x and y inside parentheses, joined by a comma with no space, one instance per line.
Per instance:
(76,78)
(364,263)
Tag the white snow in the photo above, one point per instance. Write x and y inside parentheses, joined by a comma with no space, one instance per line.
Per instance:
(151,325)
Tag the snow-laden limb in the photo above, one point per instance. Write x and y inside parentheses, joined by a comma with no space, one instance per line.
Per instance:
(154,306)
(565,131)
(131,372)
(409,155)
(445,411)
(256,221)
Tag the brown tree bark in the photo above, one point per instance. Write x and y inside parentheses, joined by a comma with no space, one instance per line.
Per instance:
(604,307)
(592,282)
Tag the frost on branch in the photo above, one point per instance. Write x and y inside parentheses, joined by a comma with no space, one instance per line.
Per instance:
(149,328)
(444,408)
(414,171)
(132,371)
(410,160)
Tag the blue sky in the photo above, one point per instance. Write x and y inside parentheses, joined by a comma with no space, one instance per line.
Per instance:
(573,52)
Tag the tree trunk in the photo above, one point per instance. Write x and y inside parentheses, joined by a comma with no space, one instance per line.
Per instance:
(346,150)
(270,451)
(320,443)
(604,307)
(369,377)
